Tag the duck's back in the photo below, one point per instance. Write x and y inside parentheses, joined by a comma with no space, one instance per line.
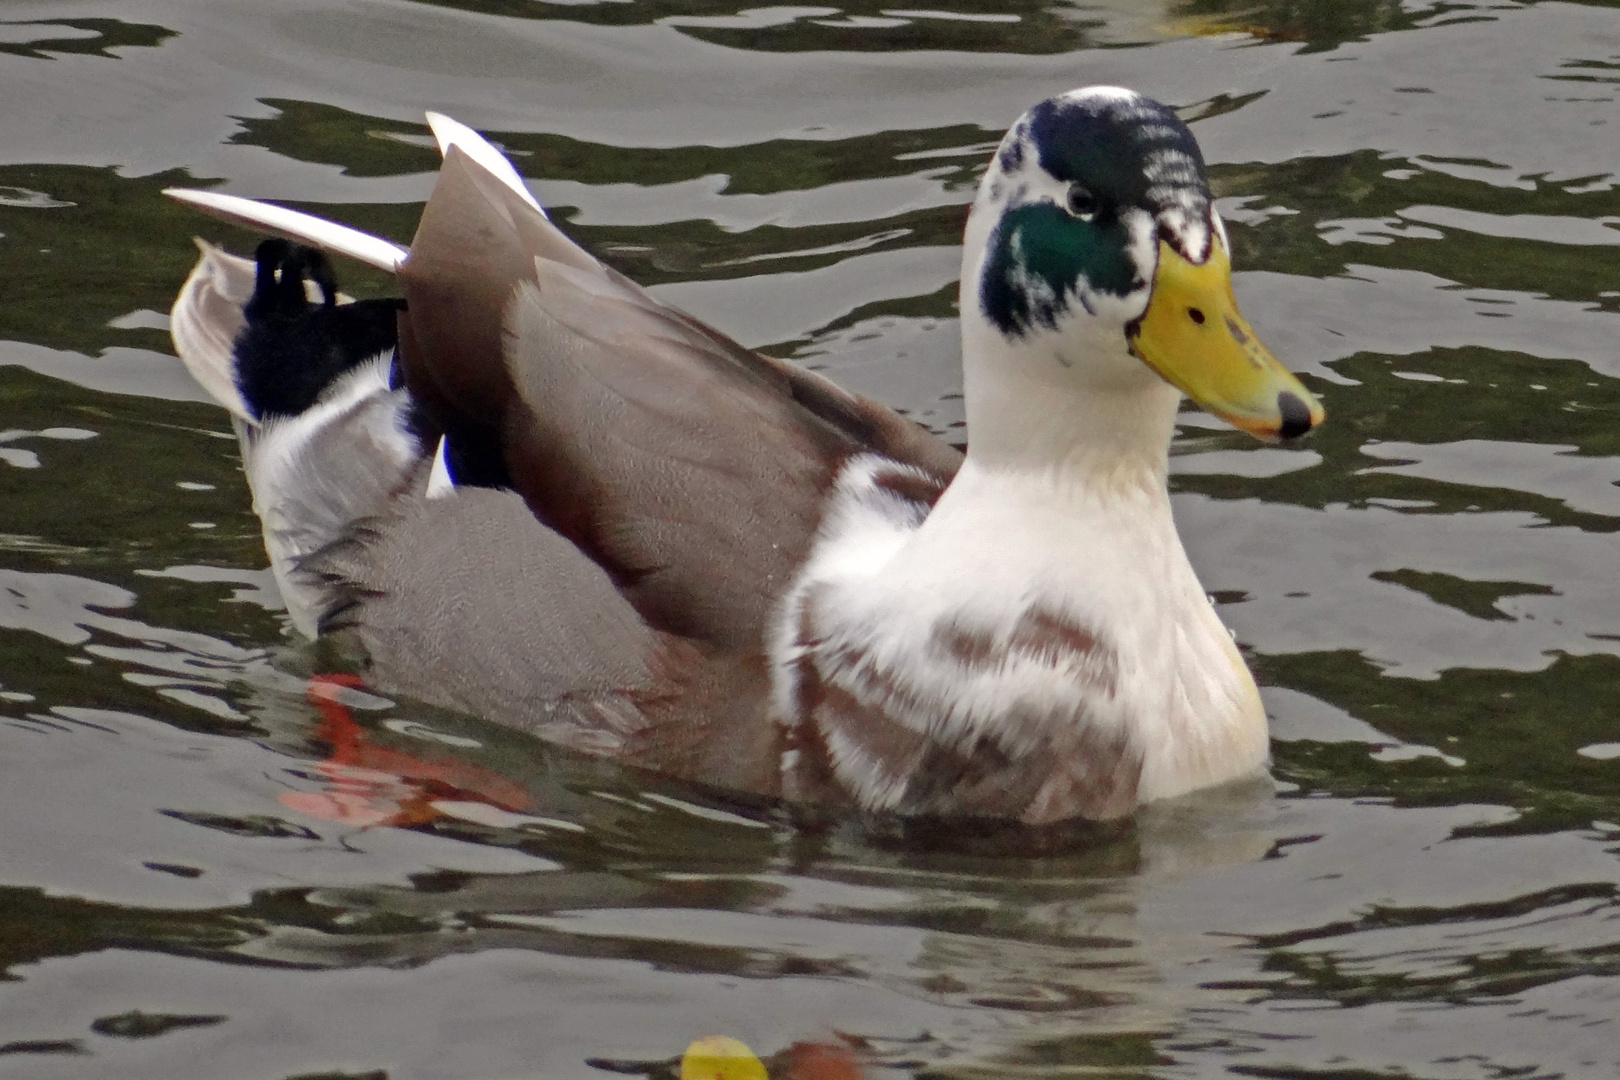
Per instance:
(693,470)
(633,494)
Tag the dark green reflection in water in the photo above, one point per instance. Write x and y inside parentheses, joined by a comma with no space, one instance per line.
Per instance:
(1318,25)
(96,37)
(362,145)
(35,926)
(1517,733)
(83,245)
(1367,187)
(328,135)
(1322,970)
(1480,599)
(125,509)
(1027,26)
(1021,26)
(694,249)
(1577,409)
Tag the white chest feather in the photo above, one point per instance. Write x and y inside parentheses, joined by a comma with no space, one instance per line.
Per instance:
(1029,647)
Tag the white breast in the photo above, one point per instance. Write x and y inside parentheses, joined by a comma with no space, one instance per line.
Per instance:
(1029,648)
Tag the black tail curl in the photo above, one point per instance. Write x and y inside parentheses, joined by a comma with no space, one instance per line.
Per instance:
(293,348)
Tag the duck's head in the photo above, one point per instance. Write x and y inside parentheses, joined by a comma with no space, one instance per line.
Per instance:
(1095,261)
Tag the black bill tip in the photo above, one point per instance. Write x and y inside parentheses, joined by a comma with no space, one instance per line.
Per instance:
(1296,415)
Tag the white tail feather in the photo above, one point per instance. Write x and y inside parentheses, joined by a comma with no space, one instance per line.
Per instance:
(205,320)
(305,228)
(454,133)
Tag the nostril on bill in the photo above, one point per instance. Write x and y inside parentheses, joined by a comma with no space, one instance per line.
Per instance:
(1296,415)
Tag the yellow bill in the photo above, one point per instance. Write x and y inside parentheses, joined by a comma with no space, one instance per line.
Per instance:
(1193,335)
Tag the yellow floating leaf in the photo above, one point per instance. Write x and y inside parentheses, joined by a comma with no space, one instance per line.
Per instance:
(719,1057)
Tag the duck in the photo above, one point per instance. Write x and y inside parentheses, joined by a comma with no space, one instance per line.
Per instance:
(529,490)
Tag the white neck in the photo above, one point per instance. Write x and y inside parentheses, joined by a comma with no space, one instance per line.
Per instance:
(1032,413)
(1032,405)
(1071,399)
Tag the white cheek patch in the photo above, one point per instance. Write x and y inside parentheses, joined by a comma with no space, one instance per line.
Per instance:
(1144,252)
(1175,186)
(1003,183)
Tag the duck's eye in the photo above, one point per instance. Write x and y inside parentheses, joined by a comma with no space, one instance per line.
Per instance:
(1082,203)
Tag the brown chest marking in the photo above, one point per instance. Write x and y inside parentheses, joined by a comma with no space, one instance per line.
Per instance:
(870,734)
(1041,635)
(925,490)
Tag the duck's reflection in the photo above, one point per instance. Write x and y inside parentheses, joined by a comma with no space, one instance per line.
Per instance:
(368,785)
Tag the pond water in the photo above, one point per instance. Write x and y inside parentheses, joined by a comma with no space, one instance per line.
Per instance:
(212,865)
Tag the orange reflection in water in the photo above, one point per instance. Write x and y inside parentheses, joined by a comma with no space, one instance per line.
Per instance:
(368,784)
(816,1061)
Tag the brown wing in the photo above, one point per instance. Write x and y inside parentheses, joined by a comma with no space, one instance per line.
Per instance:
(690,469)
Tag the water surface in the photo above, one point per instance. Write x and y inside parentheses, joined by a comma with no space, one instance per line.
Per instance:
(211,866)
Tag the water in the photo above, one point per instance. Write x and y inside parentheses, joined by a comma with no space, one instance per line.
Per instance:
(209,870)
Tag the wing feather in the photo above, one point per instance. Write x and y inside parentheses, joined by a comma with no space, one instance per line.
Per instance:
(691,469)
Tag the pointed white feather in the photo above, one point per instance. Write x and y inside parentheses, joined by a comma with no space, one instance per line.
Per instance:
(205,320)
(295,225)
(454,133)
(439,485)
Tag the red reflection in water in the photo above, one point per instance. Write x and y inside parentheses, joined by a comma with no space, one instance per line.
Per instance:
(371,785)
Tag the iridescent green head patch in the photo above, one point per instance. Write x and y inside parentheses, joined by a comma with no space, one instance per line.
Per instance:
(1042,259)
